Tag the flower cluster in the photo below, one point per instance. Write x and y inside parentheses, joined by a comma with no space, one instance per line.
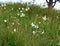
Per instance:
(22,15)
(27,9)
(44,18)
(34,25)
(3,4)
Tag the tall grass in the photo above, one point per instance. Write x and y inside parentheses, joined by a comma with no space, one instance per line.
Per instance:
(36,27)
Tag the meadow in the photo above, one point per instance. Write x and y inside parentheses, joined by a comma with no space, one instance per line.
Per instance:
(22,25)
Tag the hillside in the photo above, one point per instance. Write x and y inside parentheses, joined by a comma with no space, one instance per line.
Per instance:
(22,25)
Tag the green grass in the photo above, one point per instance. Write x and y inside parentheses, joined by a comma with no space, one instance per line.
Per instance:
(18,31)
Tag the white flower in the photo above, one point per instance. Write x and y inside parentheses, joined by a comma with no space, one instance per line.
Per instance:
(26,9)
(22,15)
(34,32)
(32,24)
(14,30)
(12,8)
(20,10)
(4,7)
(36,26)
(18,14)
(44,18)
(13,23)
(39,22)
(5,20)
(42,32)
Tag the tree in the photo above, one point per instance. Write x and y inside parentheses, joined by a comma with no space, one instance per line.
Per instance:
(50,3)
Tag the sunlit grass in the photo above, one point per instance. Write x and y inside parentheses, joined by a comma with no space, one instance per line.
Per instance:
(22,25)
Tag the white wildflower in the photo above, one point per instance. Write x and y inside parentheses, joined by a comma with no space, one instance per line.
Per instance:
(26,9)
(4,7)
(20,10)
(5,20)
(13,23)
(44,18)
(42,32)
(36,26)
(39,22)
(22,15)
(32,24)
(14,30)
(18,14)
(12,8)
(34,32)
